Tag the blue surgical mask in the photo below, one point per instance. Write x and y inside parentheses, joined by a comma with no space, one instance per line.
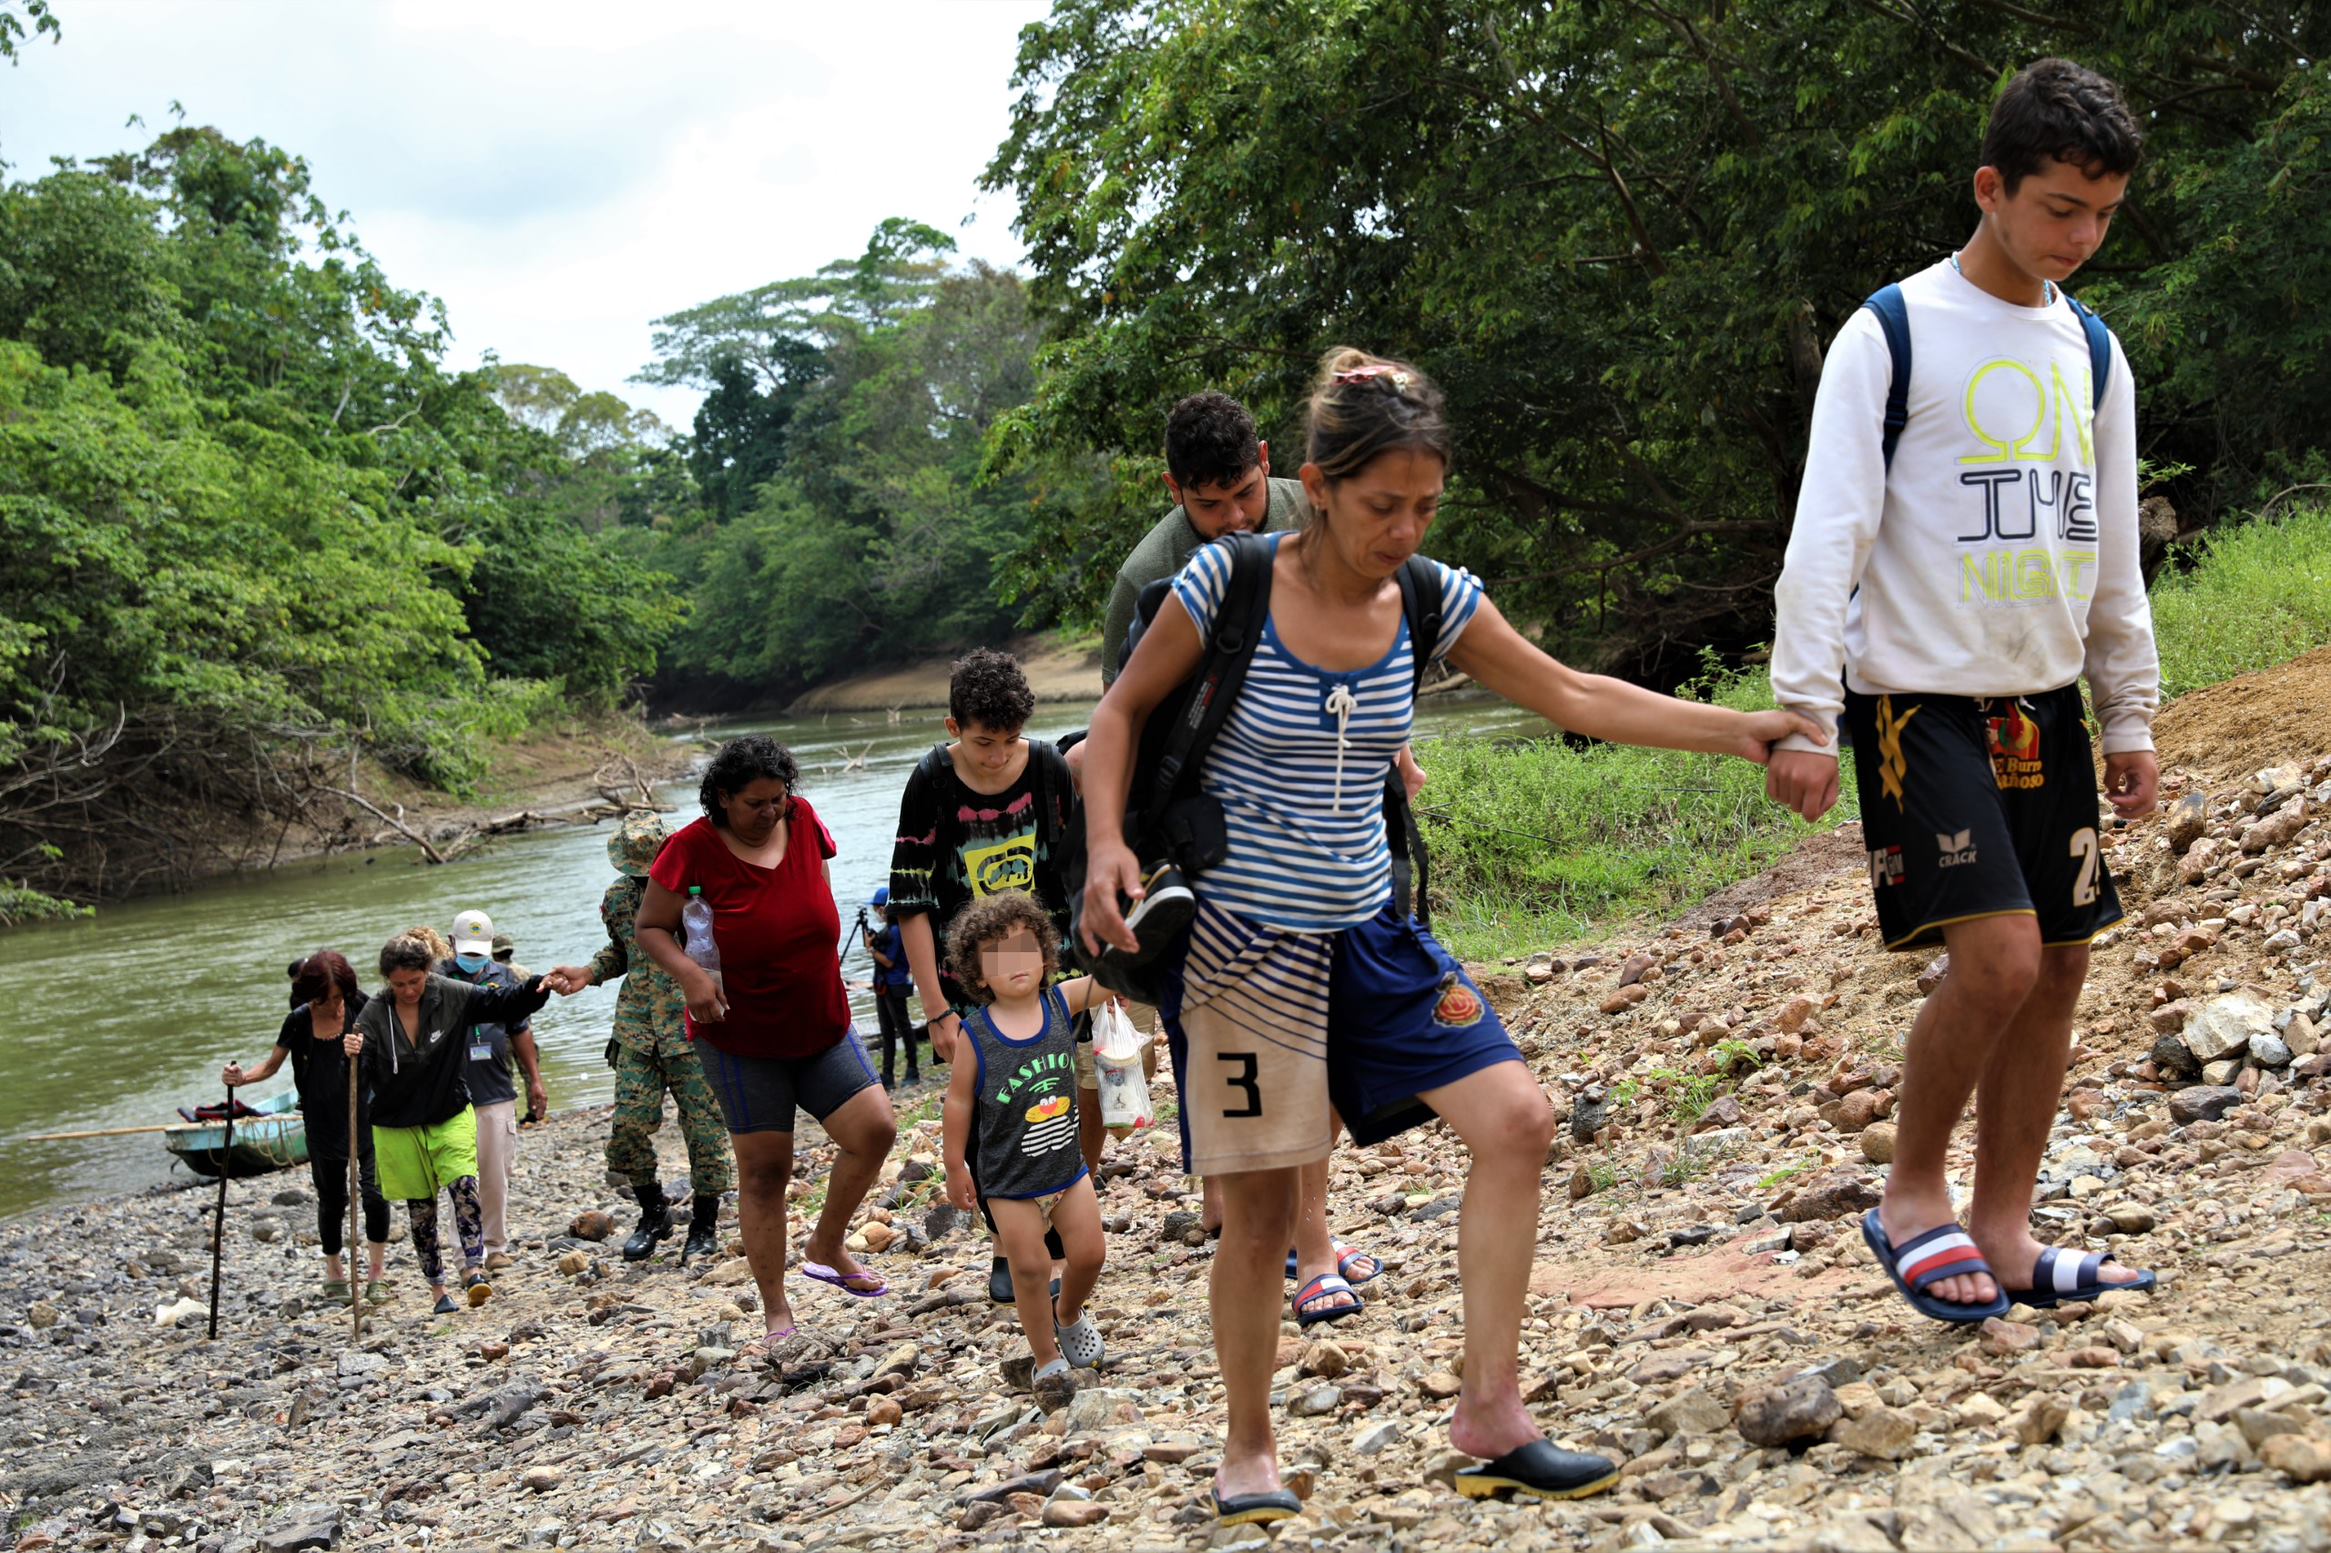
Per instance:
(470,964)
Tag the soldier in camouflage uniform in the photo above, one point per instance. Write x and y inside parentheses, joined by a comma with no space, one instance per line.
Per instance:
(651,1053)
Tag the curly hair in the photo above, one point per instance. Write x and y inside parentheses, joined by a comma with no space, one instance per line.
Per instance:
(738,765)
(988,921)
(1211,440)
(322,971)
(1364,406)
(405,953)
(2056,109)
(430,939)
(986,687)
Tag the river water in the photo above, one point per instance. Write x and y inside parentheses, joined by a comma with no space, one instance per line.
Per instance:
(117,1020)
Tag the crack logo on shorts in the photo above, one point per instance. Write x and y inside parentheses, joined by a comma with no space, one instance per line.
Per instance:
(1957,848)
(1892,766)
(1459,1004)
(1886,866)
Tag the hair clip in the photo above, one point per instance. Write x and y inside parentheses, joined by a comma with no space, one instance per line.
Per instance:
(1374,370)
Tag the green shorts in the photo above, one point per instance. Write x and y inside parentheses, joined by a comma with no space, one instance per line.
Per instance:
(416,1163)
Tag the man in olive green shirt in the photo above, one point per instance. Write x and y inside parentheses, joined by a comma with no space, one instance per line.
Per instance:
(1219,472)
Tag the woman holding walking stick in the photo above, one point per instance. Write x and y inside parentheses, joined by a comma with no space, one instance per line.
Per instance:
(326,1007)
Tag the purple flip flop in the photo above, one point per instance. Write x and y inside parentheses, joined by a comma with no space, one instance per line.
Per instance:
(841,1280)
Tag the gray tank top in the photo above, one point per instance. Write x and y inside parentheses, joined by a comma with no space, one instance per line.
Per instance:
(1027,1104)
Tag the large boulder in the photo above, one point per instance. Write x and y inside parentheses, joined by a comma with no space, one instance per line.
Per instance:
(2224,1026)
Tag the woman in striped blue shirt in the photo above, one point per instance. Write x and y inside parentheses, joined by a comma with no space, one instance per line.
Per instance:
(1296,937)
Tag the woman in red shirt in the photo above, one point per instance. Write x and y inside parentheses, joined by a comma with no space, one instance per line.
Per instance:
(774,1030)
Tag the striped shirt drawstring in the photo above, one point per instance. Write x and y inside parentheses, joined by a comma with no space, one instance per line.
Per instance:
(1341,704)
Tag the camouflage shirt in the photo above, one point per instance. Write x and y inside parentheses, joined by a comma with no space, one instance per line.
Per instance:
(649,1012)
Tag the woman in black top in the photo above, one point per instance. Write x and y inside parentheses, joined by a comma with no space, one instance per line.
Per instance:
(325,1003)
(413,1044)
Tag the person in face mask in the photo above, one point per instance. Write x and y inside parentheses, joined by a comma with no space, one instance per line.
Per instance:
(492,1091)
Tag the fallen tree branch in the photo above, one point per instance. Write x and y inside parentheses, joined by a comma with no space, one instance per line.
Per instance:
(397,825)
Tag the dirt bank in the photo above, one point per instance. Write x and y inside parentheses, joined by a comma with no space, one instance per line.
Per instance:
(1057,670)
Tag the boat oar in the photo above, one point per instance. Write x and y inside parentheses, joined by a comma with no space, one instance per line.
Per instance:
(218,1236)
(355,1192)
(124,1132)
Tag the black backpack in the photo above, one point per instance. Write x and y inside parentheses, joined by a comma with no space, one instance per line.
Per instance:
(1167,818)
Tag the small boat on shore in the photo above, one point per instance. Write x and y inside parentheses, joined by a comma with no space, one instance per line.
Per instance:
(274,1138)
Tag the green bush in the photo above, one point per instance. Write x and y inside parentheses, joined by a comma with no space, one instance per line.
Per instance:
(2257,595)
(1541,841)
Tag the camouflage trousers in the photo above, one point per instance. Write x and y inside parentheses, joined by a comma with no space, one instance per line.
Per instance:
(641,1078)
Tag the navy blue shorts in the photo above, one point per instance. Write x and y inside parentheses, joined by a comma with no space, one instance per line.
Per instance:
(1405,1019)
(761,1094)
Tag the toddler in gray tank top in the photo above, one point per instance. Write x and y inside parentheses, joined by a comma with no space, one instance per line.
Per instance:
(1015,1090)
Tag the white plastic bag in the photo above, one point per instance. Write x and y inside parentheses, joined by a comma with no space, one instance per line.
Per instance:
(1117,1049)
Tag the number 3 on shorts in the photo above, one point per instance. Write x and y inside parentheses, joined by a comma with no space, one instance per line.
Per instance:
(2084,848)
(1244,1079)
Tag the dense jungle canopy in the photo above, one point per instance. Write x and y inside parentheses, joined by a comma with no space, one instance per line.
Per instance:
(252,525)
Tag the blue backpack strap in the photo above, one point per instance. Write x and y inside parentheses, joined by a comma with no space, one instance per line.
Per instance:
(2099,350)
(1894,319)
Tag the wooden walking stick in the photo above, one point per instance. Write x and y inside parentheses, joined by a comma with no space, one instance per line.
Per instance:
(218,1233)
(355,1193)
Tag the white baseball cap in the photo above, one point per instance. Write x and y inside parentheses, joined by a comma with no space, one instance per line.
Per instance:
(473,933)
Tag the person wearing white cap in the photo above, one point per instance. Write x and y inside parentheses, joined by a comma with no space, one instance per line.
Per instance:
(491,1090)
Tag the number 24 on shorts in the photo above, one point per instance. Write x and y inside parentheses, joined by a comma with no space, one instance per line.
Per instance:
(2084,847)
(1244,1079)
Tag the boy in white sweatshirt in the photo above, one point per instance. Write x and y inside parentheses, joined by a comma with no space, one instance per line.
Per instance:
(1950,578)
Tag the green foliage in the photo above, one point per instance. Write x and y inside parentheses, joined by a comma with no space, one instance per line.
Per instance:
(1619,234)
(1686,1096)
(837,456)
(249,524)
(1543,841)
(13,36)
(2254,596)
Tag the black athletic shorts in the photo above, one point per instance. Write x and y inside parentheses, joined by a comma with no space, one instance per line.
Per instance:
(1980,807)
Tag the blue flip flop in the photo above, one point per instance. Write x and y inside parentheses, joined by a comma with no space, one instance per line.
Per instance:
(1922,1261)
(1325,1287)
(2060,1277)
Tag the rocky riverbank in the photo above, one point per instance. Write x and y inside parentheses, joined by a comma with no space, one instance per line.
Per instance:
(1701,1305)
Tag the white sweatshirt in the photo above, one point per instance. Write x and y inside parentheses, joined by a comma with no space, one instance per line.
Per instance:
(1998,556)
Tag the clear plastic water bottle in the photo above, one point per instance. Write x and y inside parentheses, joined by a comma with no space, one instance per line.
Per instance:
(696,922)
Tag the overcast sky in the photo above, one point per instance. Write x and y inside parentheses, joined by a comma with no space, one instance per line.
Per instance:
(562,173)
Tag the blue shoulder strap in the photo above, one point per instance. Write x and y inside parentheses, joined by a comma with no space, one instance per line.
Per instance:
(1894,319)
(2099,350)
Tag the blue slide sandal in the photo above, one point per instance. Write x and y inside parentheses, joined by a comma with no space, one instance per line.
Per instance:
(1922,1261)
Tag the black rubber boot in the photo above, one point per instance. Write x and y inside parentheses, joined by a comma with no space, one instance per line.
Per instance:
(655,1223)
(703,1230)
